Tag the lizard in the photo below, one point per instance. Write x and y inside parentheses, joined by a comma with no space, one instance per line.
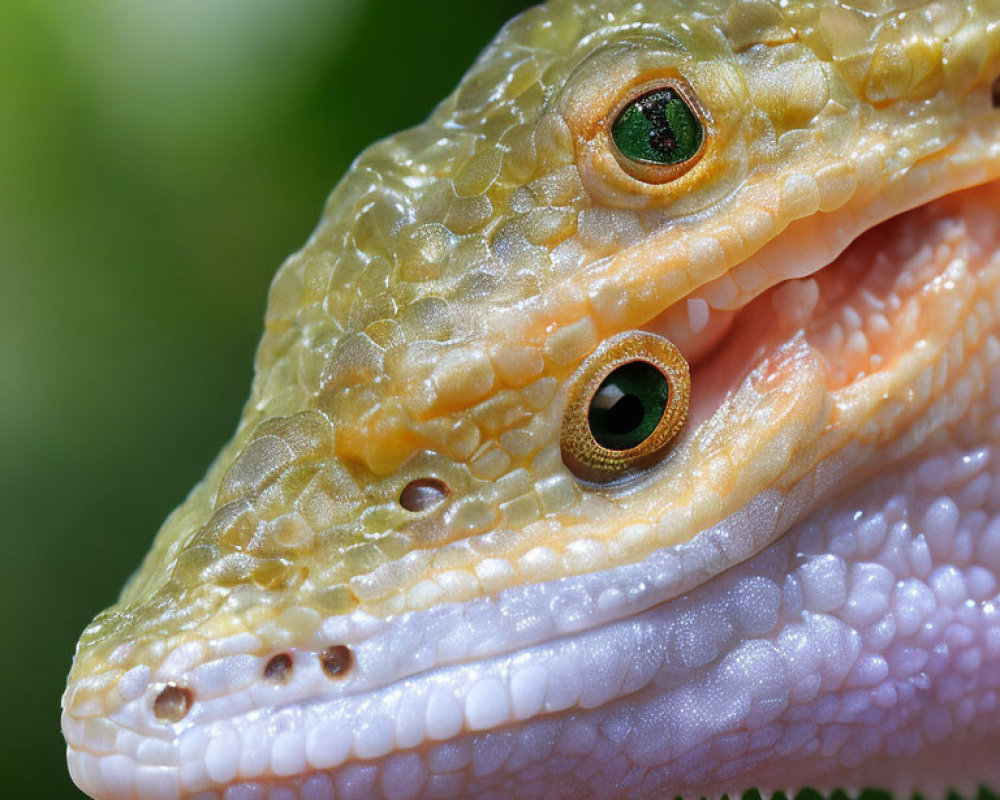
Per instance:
(630,428)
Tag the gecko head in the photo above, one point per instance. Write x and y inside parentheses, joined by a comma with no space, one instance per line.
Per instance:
(587,338)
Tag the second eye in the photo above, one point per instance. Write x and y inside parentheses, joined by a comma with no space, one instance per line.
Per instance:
(626,403)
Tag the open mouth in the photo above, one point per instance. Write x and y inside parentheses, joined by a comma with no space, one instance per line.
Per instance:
(896,317)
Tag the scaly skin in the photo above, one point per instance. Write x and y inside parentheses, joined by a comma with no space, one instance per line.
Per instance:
(804,591)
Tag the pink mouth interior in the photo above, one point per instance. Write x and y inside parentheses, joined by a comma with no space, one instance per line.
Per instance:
(858,314)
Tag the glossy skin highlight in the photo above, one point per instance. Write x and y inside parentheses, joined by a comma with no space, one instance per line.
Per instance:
(802,592)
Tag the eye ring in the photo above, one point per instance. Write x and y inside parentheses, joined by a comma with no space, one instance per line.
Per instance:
(611,455)
(659,131)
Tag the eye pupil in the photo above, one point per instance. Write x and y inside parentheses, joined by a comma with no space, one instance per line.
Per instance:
(628,405)
(658,128)
(624,414)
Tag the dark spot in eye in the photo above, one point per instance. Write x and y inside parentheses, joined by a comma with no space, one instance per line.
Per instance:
(996,93)
(279,669)
(423,493)
(336,660)
(173,703)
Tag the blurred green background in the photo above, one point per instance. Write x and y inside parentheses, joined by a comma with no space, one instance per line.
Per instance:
(158,160)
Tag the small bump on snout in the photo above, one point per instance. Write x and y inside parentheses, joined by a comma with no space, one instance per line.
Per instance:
(423,493)
(336,660)
(173,703)
(279,669)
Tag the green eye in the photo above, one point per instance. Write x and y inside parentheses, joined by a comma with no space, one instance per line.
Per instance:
(628,406)
(658,128)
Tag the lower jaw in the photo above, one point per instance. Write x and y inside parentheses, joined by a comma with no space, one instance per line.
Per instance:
(860,650)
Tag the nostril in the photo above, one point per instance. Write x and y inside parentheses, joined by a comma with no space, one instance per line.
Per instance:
(336,660)
(423,493)
(279,669)
(996,93)
(173,703)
